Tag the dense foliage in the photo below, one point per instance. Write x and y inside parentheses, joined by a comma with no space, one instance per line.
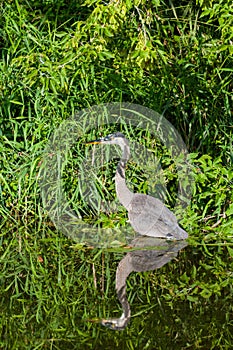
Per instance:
(61,56)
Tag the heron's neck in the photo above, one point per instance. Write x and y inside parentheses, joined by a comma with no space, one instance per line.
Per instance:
(123,193)
(125,317)
(123,270)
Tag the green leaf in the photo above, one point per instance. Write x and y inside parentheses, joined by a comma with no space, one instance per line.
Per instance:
(230,251)
(229,211)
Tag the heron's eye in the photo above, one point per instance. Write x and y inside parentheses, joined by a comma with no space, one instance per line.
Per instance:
(109,137)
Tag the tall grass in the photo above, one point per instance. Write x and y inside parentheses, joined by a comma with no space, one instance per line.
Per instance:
(58,57)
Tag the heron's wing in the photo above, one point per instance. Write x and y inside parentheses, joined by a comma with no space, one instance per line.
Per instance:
(150,217)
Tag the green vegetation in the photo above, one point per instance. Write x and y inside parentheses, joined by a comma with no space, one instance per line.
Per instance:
(58,57)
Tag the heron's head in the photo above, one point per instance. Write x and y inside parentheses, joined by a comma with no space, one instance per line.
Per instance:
(113,139)
(116,324)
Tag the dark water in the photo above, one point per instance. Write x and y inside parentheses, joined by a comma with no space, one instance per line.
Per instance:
(180,297)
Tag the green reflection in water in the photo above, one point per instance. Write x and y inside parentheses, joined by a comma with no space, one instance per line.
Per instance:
(49,289)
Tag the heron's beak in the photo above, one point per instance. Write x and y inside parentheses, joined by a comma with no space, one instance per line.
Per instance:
(94,142)
(94,320)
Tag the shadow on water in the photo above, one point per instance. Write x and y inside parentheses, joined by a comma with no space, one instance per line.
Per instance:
(150,253)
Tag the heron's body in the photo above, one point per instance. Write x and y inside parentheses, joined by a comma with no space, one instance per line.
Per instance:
(147,215)
(161,222)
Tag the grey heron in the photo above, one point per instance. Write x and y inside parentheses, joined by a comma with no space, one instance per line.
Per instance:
(147,215)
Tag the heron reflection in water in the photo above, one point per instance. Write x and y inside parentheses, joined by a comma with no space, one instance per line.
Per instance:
(153,253)
(147,215)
